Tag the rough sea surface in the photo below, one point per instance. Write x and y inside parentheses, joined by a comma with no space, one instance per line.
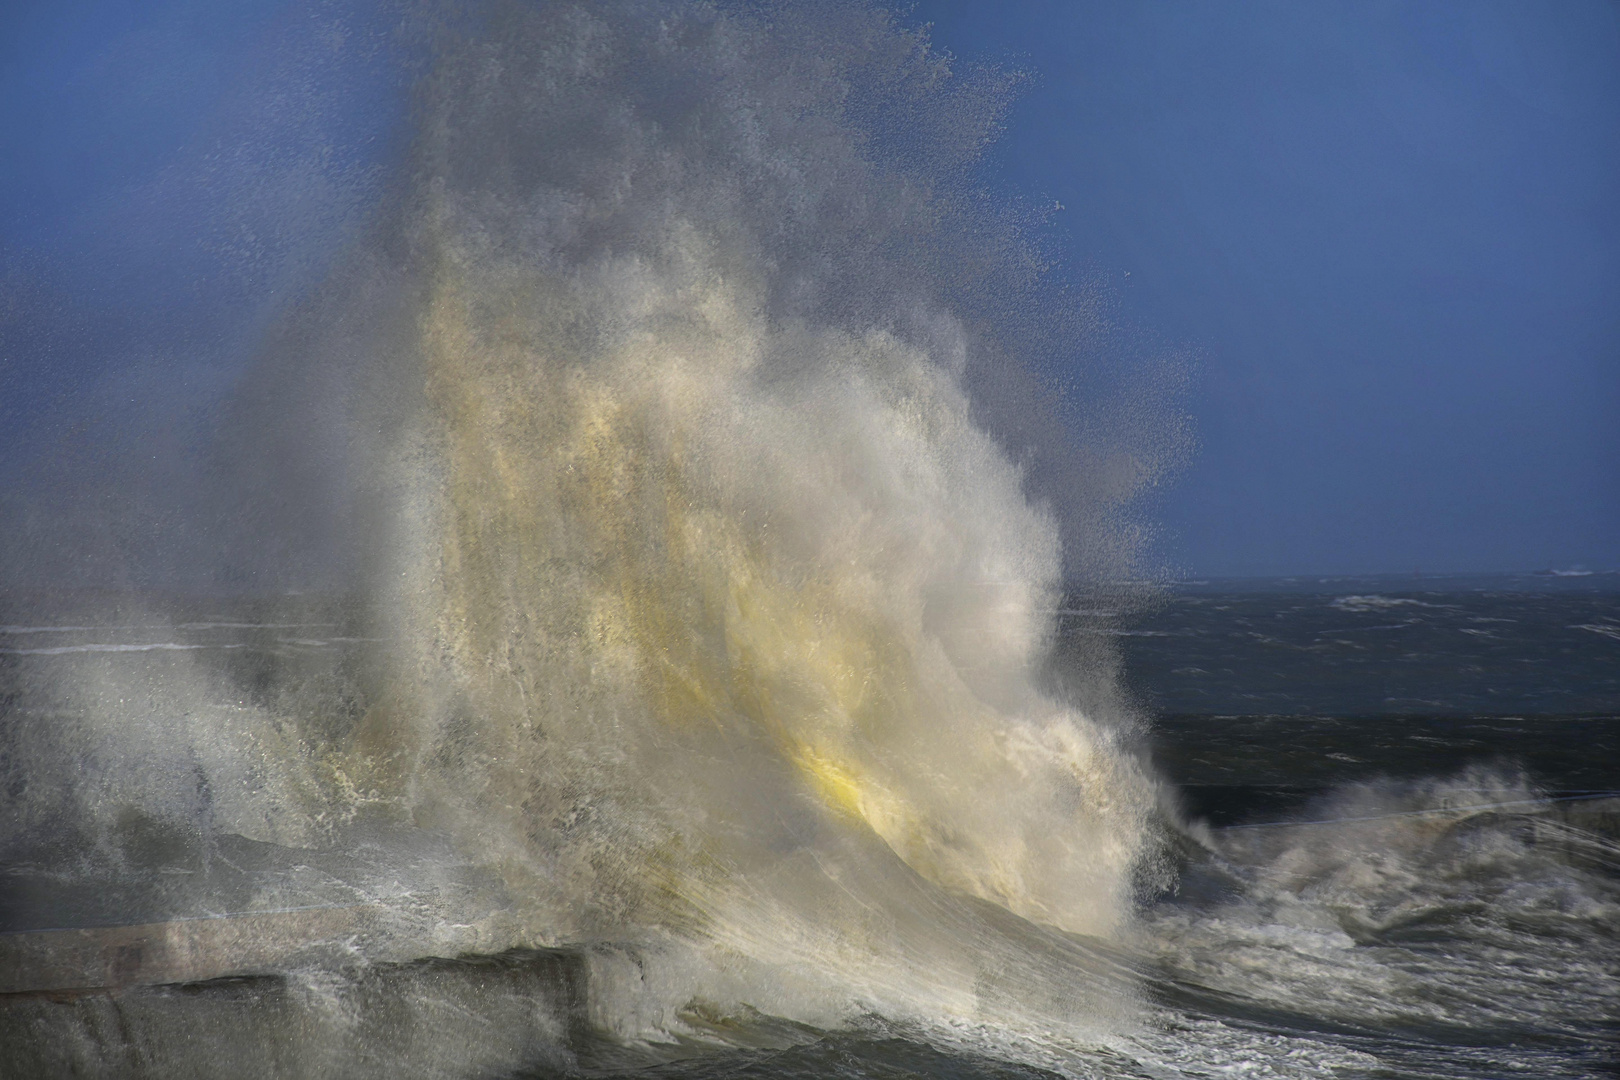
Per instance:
(1375,874)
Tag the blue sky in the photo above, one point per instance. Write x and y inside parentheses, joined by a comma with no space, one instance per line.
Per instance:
(1389,231)
(1392,232)
(173,170)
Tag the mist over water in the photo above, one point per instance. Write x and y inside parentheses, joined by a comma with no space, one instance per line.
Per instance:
(665,417)
(708,578)
(648,540)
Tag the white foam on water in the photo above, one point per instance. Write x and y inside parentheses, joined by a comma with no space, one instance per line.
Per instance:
(155,646)
(1374,602)
(77,629)
(715,604)
(732,603)
(1440,906)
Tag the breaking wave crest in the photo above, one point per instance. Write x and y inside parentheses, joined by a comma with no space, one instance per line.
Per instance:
(725,616)
(680,378)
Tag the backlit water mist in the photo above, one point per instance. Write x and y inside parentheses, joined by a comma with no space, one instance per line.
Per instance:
(685,671)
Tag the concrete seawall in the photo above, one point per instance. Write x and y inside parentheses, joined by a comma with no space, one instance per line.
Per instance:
(521,1012)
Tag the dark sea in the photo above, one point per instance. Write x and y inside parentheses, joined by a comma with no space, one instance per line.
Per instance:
(1393,824)
(1265,693)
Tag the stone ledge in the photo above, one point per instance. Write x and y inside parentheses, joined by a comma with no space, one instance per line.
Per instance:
(179,951)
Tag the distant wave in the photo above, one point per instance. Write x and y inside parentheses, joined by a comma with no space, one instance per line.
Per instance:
(1374,602)
(160,646)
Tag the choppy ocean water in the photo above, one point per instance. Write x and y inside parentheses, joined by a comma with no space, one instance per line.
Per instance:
(1396,853)
(1410,787)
